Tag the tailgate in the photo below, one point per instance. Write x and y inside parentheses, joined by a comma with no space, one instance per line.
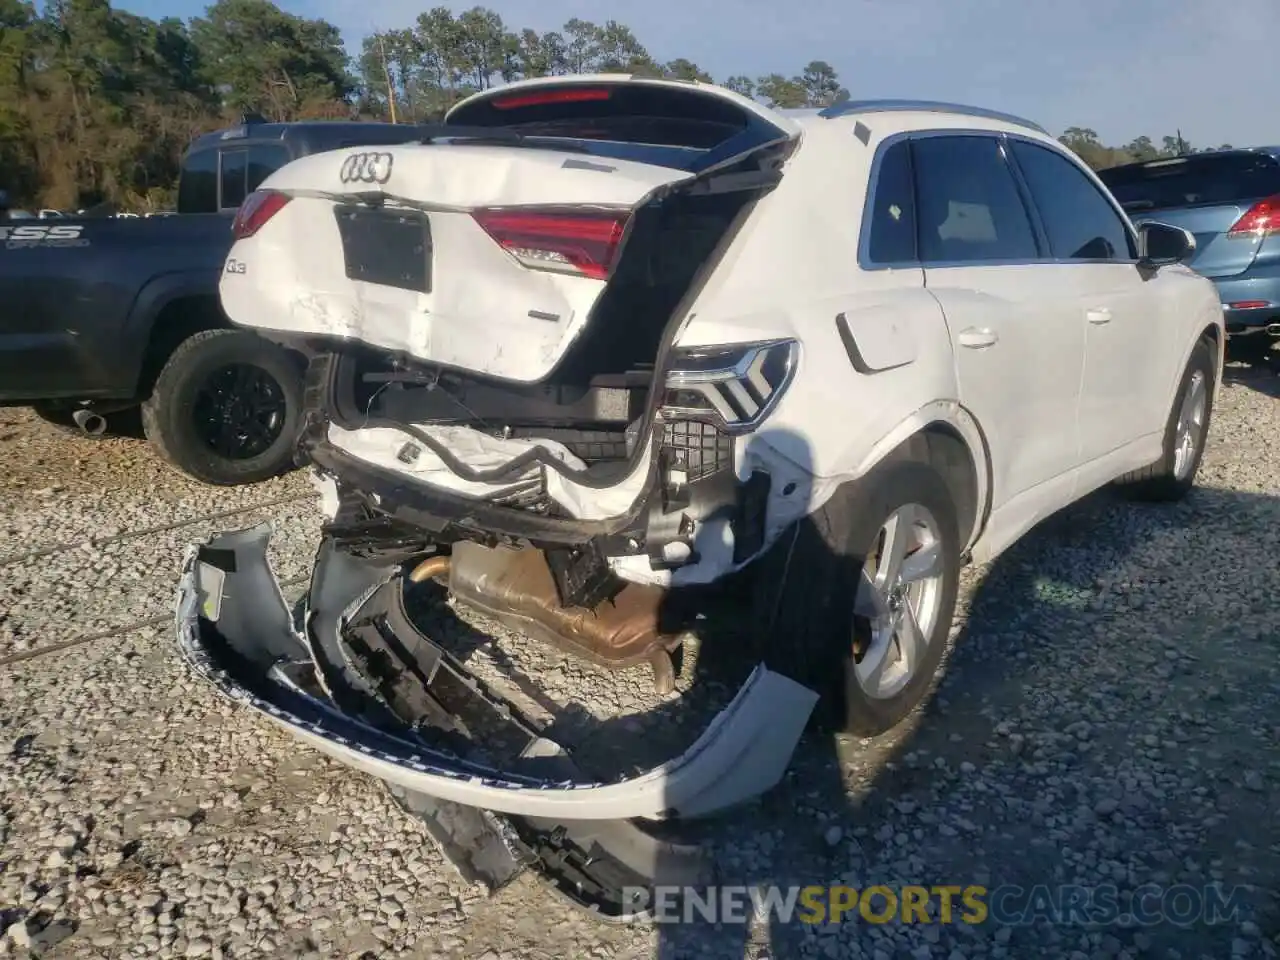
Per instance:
(481,257)
(484,251)
(1206,194)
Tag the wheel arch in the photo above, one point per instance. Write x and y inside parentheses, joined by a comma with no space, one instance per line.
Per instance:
(177,321)
(1213,333)
(168,310)
(946,435)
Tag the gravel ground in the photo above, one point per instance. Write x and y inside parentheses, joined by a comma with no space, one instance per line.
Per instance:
(1110,716)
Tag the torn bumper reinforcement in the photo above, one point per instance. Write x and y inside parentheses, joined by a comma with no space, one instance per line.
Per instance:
(493,791)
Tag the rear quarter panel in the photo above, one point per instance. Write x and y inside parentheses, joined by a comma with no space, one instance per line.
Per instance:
(793,271)
(1190,307)
(69,326)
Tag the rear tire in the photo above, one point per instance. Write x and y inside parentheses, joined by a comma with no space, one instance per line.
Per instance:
(1172,476)
(824,628)
(226,408)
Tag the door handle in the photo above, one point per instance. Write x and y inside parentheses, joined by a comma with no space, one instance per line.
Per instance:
(1098,315)
(977,338)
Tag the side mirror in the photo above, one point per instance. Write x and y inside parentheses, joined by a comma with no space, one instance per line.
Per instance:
(1160,244)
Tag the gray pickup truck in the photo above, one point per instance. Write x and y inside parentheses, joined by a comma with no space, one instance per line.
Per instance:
(101,315)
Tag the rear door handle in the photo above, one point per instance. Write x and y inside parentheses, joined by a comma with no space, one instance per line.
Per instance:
(1098,315)
(977,338)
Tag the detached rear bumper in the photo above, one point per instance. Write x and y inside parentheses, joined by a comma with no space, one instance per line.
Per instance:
(235,630)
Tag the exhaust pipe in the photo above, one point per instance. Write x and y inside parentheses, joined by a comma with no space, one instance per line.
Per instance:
(91,423)
(1273,329)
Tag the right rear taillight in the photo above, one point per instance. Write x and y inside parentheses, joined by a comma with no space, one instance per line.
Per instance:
(1260,220)
(259,207)
(584,243)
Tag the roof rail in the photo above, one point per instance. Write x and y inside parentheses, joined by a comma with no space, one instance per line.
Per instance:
(849,107)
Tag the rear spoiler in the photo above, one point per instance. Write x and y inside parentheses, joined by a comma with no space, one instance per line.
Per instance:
(711,125)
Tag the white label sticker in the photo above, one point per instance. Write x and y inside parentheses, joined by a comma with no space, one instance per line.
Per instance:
(211,581)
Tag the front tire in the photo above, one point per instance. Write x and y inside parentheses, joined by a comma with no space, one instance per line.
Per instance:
(1172,476)
(865,607)
(226,408)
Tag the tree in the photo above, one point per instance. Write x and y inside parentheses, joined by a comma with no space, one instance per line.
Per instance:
(1142,149)
(542,55)
(99,104)
(686,70)
(582,46)
(261,59)
(740,84)
(782,93)
(822,85)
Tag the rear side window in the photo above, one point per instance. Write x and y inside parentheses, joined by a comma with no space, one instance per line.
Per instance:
(1081,223)
(244,169)
(891,220)
(198,185)
(968,207)
(235,167)
(1197,181)
(264,160)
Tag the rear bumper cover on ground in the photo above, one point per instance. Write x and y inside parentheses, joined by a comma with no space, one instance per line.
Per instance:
(235,630)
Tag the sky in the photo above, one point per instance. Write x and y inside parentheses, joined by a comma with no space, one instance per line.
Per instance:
(1123,68)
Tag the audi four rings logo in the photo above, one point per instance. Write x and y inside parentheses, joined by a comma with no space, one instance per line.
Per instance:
(366,168)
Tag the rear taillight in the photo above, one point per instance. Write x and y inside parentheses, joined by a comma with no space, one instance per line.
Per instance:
(584,243)
(1260,220)
(259,207)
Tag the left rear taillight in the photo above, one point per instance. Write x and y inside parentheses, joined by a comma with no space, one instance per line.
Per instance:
(584,243)
(259,207)
(1260,220)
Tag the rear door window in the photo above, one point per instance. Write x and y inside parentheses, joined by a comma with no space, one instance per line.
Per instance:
(968,207)
(234,177)
(264,160)
(1196,181)
(1081,222)
(244,168)
(891,215)
(198,185)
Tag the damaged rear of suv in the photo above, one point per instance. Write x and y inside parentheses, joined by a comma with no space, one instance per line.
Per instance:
(604,357)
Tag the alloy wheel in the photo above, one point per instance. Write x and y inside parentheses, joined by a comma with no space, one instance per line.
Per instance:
(898,601)
(1189,431)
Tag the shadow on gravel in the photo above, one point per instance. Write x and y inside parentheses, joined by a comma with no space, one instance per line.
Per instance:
(1253,363)
(1108,719)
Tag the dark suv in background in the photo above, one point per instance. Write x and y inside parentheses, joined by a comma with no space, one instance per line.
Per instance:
(1230,201)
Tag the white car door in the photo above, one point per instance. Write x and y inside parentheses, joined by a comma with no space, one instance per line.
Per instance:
(1019,351)
(1128,340)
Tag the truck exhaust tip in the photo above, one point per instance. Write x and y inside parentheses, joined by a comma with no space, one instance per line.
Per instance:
(91,423)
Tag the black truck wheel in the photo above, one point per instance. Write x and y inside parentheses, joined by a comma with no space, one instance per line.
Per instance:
(226,408)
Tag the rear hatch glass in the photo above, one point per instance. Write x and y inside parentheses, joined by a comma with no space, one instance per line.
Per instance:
(1206,194)
(1194,181)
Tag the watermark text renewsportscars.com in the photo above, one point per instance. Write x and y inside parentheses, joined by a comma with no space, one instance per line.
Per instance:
(1067,905)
